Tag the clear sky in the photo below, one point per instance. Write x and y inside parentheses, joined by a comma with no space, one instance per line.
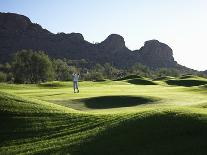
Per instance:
(182,24)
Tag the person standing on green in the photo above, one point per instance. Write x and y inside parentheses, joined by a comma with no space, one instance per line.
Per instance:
(75,82)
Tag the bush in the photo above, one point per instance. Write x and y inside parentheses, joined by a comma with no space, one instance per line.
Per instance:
(32,67)
(142,70)
(3,77)
(94,76)
(167,72)
(62,71)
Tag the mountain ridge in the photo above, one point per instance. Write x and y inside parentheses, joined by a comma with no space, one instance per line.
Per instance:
(18,32)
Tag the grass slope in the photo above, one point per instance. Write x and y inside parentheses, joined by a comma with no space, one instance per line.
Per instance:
(163,78)
(110,117)
(34,127)
(139,81)
(161,133)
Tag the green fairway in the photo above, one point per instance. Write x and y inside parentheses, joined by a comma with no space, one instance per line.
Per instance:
(133,115)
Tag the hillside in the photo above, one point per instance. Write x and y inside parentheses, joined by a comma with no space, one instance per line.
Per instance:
(18,32)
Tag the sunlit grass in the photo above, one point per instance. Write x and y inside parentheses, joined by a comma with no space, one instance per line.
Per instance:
(140,119)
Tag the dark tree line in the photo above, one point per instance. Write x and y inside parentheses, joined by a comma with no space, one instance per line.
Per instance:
(30,66)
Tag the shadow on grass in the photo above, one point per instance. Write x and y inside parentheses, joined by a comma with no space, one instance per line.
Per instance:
(105,102)
(186,83)
(141,82)
(157,134)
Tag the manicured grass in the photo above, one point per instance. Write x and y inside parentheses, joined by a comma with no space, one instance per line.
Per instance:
(161,134)
(139,81)
(189,76)
(109,117)
(163,78)
(130,77)
(55,84)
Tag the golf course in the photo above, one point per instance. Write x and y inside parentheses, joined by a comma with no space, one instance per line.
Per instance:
(132,115)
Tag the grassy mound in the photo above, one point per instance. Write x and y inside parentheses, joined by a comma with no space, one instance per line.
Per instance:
(186,82)
(139,81)
(204,87)
(188,76)
(105,102)
(35,127)
(163,78)
(129,77)
(162,134)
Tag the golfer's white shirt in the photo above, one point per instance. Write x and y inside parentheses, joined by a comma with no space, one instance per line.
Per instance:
(75,77)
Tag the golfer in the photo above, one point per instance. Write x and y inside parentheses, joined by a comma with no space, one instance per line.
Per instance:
(75,82)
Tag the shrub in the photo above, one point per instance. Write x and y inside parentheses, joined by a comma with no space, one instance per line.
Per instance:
(94,76)
(3,77)
(62,70)
(32,67)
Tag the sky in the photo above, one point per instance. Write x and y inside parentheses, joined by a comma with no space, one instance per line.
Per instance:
(181,24)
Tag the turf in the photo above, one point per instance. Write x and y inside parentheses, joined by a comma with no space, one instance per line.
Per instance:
(129,77)
(163,78)
(139,81)
(109,117)
(168,133)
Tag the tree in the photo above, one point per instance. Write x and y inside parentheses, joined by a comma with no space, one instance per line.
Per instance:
(94,76)
(6,68)
(3,77)
(6,73)
(142,70)
(110,71)
(32,67)
(98,68)
(62,71)
(167,72)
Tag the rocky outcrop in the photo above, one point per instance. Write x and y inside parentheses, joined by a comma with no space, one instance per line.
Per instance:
(205,72)
(113,42)
(14,24)
(156,54)
(18,32)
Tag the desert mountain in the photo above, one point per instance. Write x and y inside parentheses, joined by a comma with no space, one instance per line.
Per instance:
(18,32)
